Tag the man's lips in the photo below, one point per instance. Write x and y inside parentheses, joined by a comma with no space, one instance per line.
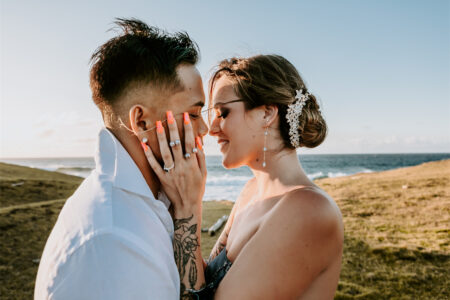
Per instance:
(222,142)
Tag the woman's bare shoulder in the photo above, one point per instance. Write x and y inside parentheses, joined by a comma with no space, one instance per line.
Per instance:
(310,211)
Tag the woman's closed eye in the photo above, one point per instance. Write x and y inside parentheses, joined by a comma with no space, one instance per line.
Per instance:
(222,114)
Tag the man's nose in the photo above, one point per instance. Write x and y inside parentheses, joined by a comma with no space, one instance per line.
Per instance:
(203,128)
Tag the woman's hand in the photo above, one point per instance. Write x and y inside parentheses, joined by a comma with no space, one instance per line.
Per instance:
(184,177)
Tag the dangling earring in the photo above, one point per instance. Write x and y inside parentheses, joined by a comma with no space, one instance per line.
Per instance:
(266,133)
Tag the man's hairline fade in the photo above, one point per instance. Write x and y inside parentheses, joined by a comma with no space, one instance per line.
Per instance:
(168,82)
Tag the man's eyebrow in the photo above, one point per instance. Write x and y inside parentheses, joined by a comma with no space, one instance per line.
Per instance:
(199,103)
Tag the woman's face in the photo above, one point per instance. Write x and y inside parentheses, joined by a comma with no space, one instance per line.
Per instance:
(239,132)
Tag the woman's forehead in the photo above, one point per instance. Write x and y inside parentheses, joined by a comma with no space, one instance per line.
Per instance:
(223,90)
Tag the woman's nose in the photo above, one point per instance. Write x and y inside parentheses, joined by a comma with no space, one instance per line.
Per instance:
(214,128)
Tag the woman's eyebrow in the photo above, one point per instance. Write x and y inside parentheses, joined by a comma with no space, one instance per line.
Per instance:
(223,103)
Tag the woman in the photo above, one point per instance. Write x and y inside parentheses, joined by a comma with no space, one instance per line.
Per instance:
(284,237)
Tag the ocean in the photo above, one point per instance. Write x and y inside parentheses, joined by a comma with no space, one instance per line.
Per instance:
(225,184)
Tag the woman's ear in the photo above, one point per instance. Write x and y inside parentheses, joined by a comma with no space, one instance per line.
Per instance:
(270,114)
(137,121)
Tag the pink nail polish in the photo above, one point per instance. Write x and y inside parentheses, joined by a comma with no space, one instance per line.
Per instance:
(186,118)
(144,146)
(199,143)
(170,118)
(159,128)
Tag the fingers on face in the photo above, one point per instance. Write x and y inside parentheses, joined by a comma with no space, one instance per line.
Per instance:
(152,160)
(174,136)
(166,154)
(189,140)
(194,144)
(200,155)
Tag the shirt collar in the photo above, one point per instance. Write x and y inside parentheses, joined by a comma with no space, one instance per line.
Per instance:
(113,161)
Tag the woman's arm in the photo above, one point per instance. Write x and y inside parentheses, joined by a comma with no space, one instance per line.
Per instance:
(223,238)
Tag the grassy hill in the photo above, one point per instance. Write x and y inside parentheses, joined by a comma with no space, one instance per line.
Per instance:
(396,229)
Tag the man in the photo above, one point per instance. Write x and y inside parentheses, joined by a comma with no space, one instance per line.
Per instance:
(113,237)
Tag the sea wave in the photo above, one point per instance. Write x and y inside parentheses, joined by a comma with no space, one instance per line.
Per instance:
(227,179)
(320,174)
(75,171)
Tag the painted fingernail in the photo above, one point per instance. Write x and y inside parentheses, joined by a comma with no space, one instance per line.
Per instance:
(170,118)
(159,128)
(144,146)
(186,118)
(199,143)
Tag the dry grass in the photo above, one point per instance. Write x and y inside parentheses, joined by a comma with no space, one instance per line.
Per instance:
(408,207)
(396,242)
(21,185)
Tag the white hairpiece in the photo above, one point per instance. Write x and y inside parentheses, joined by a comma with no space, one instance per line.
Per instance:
(293,113)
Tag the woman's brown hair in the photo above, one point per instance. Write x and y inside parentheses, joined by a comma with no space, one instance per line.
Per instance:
(273,80)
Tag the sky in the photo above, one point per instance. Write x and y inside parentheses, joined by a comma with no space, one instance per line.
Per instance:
(381,69)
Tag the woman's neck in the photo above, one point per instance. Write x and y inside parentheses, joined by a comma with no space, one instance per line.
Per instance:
(282,173)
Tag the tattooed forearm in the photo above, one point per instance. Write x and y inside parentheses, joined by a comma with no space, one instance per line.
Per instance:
(187,254)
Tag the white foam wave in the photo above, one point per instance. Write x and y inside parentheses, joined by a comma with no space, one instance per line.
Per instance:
(316,175)
(227,179)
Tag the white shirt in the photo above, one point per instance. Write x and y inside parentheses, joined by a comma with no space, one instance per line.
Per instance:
(112,239)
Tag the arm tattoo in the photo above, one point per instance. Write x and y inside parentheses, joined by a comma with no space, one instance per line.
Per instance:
(185,244)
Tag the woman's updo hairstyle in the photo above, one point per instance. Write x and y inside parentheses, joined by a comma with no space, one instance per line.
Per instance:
(273,80)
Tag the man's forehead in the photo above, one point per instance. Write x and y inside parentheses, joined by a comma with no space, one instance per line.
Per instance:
(185,101)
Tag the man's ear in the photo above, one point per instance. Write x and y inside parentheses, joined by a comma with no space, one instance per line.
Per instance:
(137,120)
(270,114)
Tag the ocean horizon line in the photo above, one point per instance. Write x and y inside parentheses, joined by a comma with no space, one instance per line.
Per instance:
(219,155)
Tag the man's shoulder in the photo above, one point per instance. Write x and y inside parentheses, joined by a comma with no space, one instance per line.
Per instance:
(98,211)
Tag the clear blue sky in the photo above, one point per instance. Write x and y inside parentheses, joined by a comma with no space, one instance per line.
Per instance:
(380,68)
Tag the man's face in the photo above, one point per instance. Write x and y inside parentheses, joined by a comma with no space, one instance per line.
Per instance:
(191,100)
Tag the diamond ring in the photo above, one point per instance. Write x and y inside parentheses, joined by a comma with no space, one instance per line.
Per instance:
(187,155)
(167,169)
(171,144)
(194,150)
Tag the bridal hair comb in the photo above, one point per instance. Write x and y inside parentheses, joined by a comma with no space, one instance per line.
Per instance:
(293,113)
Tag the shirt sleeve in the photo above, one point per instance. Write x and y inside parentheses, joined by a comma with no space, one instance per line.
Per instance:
(115,266)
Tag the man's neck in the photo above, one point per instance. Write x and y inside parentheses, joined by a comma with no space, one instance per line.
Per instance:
(132,145)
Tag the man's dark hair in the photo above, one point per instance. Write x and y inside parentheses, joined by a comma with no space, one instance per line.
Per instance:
(141,54)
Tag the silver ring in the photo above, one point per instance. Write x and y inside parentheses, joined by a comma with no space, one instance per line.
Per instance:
(167,169)
(194,150)
(171,144)
(187,155)
(177,142)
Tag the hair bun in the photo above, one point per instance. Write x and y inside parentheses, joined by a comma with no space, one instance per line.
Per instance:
(312,126)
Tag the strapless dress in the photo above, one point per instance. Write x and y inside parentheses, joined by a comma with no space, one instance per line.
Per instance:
(214,273)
